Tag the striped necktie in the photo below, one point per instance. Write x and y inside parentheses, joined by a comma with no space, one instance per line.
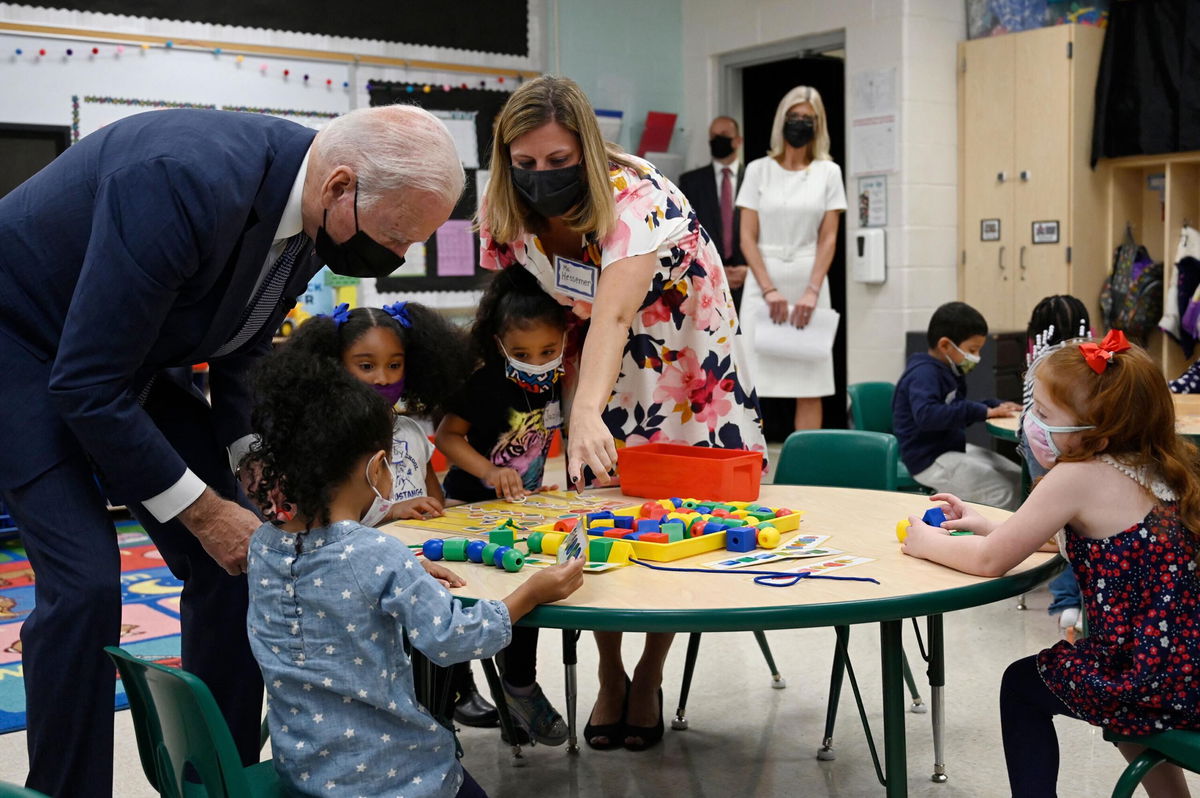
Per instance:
(267,297)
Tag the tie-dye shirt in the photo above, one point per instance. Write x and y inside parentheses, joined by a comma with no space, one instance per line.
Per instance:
(510,426)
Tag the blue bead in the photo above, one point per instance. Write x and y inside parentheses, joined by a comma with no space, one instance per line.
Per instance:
(475,550)
(934,516)
(498,556)
(432,549)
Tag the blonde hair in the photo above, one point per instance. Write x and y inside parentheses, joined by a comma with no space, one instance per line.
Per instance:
(536,103)
(819,146)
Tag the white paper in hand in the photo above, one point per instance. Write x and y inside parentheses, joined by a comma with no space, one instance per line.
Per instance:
(813,342)
(575,544)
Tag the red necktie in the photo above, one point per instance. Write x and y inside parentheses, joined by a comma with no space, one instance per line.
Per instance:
(726,213)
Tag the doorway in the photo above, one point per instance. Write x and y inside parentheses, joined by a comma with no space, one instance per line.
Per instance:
(752,85)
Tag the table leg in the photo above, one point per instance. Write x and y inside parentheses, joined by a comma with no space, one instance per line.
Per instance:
(937,686)
(894,750)
(570,637)
(507,724)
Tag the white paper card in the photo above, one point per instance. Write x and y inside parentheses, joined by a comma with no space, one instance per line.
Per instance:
(575,544)
(813,342)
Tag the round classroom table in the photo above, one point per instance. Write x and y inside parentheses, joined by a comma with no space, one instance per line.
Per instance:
(859,522)
(1187,420)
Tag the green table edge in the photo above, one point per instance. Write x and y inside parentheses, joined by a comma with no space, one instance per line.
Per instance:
(789,616)
(1001,433)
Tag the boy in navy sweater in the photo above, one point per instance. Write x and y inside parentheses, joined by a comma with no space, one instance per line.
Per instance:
(931,412)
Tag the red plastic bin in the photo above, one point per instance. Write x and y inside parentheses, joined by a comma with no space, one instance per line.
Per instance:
(663,470)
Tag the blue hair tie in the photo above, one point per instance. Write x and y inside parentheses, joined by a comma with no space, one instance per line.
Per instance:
(399,312)
(340,315)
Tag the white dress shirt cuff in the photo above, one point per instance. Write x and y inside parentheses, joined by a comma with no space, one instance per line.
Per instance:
(239,449)
(177,498)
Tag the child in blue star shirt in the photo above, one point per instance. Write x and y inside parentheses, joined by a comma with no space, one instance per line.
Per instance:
(332,601)
(931,412)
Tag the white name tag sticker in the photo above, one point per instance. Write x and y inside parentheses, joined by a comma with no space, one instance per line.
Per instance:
(553,415)
(575,278)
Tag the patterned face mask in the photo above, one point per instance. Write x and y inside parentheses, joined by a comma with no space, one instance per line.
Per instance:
(380,506)
(1041,439)
(535,379)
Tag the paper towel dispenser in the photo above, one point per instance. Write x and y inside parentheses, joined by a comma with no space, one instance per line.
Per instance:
(868,260)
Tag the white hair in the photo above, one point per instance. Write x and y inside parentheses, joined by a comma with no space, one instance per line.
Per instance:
(820,142)
(393,148)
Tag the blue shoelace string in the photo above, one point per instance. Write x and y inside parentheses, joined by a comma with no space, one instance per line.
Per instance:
(765,578)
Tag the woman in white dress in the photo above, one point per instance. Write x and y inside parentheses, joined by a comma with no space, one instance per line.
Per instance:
(790,203)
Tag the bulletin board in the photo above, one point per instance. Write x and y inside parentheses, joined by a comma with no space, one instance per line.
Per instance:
(495,26)
(449,261)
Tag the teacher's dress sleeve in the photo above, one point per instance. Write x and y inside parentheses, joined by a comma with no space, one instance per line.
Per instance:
(648,216)
(148,224)
(835,190)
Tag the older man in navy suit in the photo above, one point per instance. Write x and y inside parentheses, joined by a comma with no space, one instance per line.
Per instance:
(164,240)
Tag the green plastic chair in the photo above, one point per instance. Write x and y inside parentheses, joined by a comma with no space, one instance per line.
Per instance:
(1177,746)
(843,458)
(839,458)
(16,791)
(871,409)
(177,724)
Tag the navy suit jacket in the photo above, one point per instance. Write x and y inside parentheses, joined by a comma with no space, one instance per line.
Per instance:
(136,250)
(700,187)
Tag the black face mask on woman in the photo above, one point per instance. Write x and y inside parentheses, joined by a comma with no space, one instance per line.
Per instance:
(359,255)
(550,192)
(720,147)
(798,132)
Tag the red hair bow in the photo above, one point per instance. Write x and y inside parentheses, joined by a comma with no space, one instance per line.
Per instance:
(1099,355)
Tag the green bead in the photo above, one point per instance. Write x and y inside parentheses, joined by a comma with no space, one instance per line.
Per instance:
(513,561)
(455,549)
(489,553)
(535,542)
(504,536)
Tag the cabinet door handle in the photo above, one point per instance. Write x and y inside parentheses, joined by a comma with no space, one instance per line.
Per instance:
(1024,175)
(1003,276)
(1021,261)
(1001,177)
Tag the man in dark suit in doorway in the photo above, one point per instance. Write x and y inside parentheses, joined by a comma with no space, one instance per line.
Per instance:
(163,240)
(712,190)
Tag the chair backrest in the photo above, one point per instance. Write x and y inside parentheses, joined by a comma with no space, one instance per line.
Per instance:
(14,791)
(178,725)
(840,458)
(871,405)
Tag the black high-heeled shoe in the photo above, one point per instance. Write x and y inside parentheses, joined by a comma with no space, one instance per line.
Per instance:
(613,732)
(649,735)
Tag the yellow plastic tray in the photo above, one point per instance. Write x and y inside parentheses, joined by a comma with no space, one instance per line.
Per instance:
(688,547)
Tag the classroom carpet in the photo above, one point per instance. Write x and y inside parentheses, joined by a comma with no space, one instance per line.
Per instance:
(149,614)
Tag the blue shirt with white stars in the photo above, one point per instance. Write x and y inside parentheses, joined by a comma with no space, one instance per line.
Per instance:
(327,621)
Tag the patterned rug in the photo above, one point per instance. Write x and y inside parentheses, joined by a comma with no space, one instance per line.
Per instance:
(149,614)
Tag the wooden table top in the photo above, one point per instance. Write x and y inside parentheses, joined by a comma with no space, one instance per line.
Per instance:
(859,522)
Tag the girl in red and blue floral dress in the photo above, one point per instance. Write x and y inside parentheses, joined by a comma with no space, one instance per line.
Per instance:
(1124,489)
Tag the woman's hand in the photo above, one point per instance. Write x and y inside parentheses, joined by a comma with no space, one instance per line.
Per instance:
(959,516)
(507,483)
(778,305)
(443,574)
(417,509)
(589,444)
(802,313)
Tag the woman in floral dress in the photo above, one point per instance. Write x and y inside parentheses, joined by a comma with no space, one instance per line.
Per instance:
(656,344)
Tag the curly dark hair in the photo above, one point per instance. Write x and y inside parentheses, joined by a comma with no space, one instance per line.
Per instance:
(314,423)
(437,361)
(513,298)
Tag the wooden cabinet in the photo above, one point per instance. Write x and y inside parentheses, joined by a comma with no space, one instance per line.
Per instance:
(1025,104)
(1155,196)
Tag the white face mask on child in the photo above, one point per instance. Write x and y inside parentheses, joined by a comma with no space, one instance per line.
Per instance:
(1041,439)
(380,506)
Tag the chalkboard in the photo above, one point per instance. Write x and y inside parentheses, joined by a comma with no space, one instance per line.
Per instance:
(492,26)
(486,104)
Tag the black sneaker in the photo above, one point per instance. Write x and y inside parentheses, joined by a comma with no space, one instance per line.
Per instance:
(472,709)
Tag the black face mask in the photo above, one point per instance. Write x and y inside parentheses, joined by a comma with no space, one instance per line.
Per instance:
(550,192)
(798,132)
(720,146)
(359,255)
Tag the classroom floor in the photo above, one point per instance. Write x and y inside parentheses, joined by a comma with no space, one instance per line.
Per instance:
(747,739)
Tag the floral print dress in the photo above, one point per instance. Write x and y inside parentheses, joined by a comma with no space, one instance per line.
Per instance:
(1138,670)
(683,377)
